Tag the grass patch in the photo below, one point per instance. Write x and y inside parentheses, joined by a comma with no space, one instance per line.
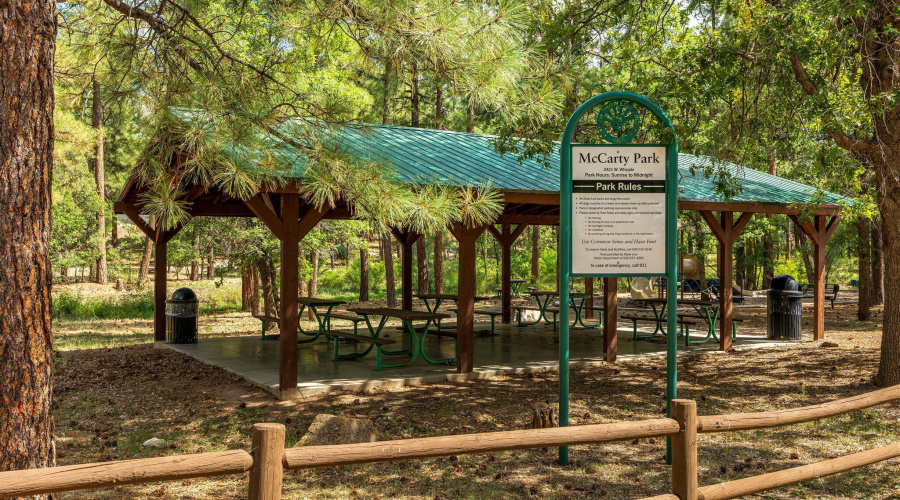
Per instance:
(130,306)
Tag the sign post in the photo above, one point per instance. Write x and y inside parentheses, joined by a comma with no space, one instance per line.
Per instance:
(619,214)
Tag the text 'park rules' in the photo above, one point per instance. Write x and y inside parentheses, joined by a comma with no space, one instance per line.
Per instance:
(618,210)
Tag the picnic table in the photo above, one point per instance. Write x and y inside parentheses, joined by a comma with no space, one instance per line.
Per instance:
(416,345)
(516,286)
(706,310)
(433,302)
(543,299)
(323,319)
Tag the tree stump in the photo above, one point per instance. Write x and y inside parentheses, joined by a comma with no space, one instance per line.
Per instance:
(542,418)
(120,285)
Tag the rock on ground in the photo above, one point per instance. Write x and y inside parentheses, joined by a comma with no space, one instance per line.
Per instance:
(333,429)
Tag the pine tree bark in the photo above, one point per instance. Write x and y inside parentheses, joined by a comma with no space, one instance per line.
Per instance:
(439,107)
(364,272)
(864,307)
(387,255)
(27,44)
(470,123)
(414,95)
(100,179)
(211,263)
(144,271)
(422,264)
(535,254)
(265,271)
(438,263)
(877,261)
(246,289)
(254,291)
(195,263)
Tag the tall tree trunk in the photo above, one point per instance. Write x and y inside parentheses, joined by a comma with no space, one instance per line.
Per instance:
(806,253)
(387,255)
(414,95)
(144,271)
(863,311)
(265,269)
(100,179)
(195,263)
(439,107)
(246,288)
(313,279)
(114,233)
(364,272)
(386,85)
(438,263)
(255,287)
(27,42)
(211,263)
(877,261)
(535,254)
(422,262)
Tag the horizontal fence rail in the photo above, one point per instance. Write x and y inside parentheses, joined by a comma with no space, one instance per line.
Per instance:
(387,451)
(144,470)
(268,457)
(764,420)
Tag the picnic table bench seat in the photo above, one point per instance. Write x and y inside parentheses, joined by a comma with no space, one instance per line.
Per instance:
(485,312)
(348,317)
(377,342)
(684,323)
(267,319)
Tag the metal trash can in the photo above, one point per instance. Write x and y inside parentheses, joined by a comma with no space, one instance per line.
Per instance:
(181,317)
(784,309)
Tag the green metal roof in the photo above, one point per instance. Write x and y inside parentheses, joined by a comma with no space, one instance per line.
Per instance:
(421,155)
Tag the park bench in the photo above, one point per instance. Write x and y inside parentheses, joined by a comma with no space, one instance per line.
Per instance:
(337,335)
(266,319)
(348,317)
(734,321)
(485,312)
(685,325)
(831,291)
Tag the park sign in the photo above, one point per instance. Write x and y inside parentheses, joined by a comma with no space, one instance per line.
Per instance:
(618,210)
(618,214)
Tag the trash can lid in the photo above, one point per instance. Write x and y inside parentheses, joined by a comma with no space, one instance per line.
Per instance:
(184,294)
(785,282)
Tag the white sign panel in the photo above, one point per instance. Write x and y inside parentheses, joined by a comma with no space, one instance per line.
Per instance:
(618,210)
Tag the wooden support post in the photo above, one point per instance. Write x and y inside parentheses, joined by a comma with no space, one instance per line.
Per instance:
(407,239)
(160,269)
(819,275)
(505,274)
(610,318)
(589,300)
(290,257)
(684,450)
(819,232)
(465,316)
(726,268)
(267,472)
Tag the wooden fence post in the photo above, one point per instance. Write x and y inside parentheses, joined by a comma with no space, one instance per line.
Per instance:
(684,450)
(267,470)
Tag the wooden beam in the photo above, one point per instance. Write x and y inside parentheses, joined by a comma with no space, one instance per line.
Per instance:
(267,215)
(518,232)
(726,269)
(610,318)
(535,220)
(757,208)
(832,225)
(290,257)
(134,216)
(714,226)
(309,220)
(504,236)
(742,223)
(532,198)
(160,268)
(465,318)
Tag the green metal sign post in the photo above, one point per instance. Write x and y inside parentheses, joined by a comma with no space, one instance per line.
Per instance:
(619,213)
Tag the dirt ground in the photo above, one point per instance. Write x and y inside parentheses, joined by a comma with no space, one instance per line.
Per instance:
(109,400)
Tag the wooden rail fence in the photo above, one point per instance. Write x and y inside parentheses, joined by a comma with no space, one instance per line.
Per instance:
(267,459)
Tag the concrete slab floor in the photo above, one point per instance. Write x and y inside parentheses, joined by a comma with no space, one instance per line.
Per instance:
(513,350)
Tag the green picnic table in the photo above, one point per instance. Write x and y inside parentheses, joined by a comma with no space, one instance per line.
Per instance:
(416,345)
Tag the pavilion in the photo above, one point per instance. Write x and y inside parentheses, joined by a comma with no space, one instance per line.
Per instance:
(530,193)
